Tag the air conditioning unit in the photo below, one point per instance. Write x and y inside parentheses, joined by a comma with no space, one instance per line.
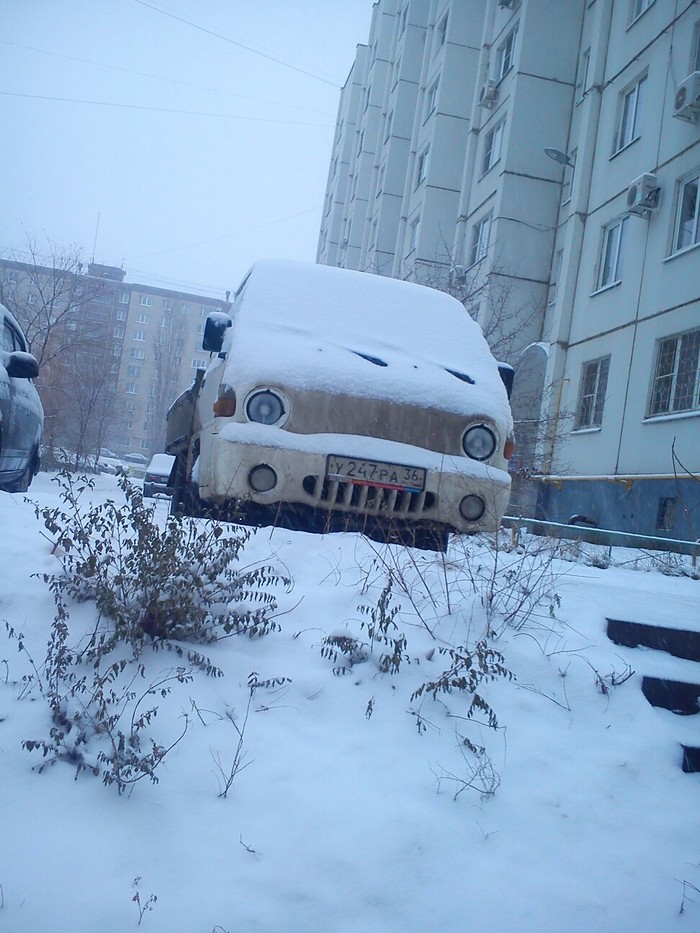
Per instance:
(686,103)
(488,94)
(643,195)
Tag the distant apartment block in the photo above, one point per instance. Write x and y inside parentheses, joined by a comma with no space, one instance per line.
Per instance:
(122,351)
(542,161)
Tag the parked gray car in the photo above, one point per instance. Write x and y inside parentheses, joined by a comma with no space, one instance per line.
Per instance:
(21,412)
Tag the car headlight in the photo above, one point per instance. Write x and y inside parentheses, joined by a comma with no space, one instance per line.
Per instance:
(265,407)
(479,442)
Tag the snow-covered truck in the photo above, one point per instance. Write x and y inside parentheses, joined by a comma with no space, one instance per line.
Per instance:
(340,400)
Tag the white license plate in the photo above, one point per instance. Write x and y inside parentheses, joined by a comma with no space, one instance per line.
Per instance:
(375,473)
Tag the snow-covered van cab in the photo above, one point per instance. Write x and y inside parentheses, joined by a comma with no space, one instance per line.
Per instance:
(21,412)
(344,400)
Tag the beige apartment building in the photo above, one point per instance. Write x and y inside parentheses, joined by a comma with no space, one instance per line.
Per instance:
(113,354)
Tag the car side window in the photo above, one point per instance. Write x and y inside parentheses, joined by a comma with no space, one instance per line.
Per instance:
(8,343)
(11,339)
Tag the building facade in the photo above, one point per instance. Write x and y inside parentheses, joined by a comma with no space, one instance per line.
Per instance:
(542,161)
(113,354)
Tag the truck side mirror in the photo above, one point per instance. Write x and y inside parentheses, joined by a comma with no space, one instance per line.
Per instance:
(22,365)
(507,374)
(214,330)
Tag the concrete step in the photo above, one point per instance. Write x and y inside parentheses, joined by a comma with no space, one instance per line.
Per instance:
(691,759)
(675,695)
(679,642)
(679,696)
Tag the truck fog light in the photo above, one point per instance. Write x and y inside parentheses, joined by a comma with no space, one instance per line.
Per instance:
(262,478)
(472,508)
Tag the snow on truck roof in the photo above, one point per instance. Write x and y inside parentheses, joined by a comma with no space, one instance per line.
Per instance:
(309,326)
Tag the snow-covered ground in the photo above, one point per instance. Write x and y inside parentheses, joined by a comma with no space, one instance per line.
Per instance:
(339,822)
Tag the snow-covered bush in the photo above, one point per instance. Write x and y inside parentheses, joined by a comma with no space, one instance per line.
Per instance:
(154,588)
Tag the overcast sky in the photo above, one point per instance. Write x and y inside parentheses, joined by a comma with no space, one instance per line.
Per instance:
(185,199)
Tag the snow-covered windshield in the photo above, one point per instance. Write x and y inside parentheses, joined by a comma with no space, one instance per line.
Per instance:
(302,325)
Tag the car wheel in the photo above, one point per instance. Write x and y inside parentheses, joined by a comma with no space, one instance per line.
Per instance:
(21,484)
(185,499)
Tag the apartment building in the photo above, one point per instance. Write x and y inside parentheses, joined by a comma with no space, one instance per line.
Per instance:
(114,354)
(541,161)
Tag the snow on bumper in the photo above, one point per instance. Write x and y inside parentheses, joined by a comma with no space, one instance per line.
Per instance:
(300,463)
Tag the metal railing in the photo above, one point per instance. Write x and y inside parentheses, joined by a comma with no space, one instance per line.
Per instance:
(602,536)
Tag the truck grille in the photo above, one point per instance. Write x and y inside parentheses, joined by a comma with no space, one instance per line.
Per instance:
(367,500)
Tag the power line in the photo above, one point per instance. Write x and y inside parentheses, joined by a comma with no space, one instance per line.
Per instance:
(229,236)
(146,74)
(231,41)
(194,113)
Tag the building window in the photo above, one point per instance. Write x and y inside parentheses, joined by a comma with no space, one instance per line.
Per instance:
(442,31)
(12,277)
(380,179)
(687,231)
(556,275)
(629,122)
(146,301)
(139,335)
(119,333)
(144,444)
(695,55)
(122,315)
(568,180)
(611,254)
(666,513)
(165,322)
(137,354)
(134,371)
(31,298)
(676,383)
(481,233)
(492,147)
(142,318)
(199,363)
(504,56)
(638,7)
(185,307)
(167,304)
(431,98)
(201,329)
(413,237)
(204,311)
(132,388)
(582,82)
(422,167)
(123,298)
(387,125)
(591,394)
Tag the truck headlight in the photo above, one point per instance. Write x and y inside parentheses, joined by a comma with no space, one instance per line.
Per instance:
(265,407)
(479,442)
